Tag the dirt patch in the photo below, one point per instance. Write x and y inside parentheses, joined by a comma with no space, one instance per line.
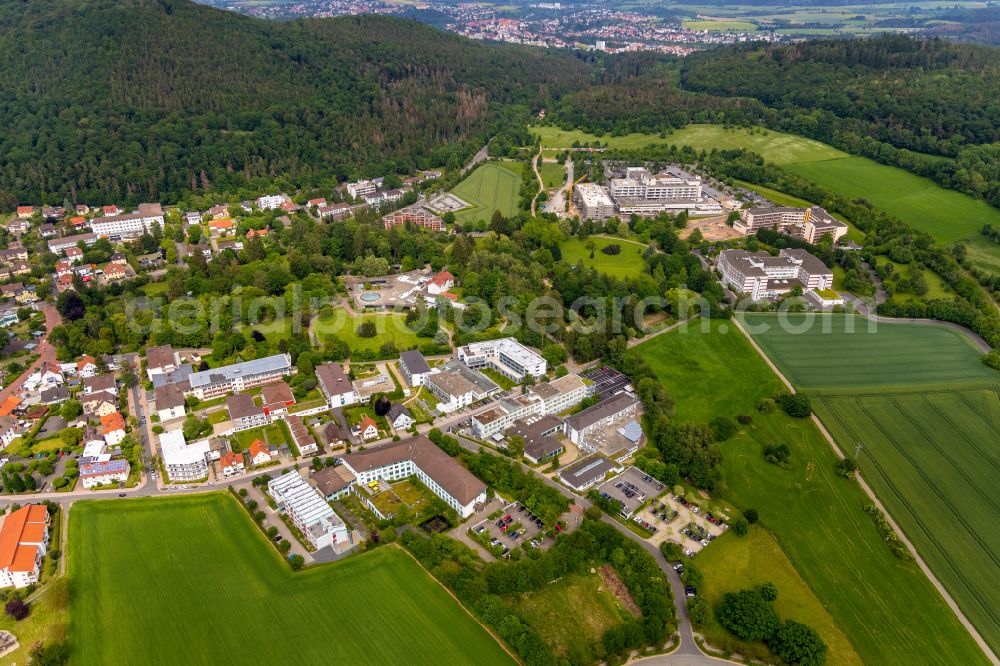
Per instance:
(617,588)
(712,229)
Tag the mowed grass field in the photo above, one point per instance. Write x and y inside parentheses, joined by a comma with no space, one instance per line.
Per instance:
(887,608)
(735,563)
(489,188)
(190,581)
(627,264)
(927,413)
(945,214)
(553,174)
(774,146)
(862,353)
(389,328)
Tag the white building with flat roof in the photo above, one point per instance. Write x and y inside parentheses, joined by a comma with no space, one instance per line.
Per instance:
(505,355)
(593,201)
(183,461)
(133,225)
(308,510)
(763,276)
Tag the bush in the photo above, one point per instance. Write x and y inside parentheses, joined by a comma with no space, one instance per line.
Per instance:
(744,419)
(612,249)
(846,468)
(797,405)
(723,427)
(798,644)
(748,615)
(766,405)
(778,454)
(284,546)
(59,482)
(17,609)
(751,515)
(699,611)
(671,550)
(297,561)
(741,526)
(367,329)
(769,591)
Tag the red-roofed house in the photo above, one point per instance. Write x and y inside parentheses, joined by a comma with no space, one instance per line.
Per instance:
(109,210)
(74,254)
(78,220)
(441,283)
(368,429)
(113,428)
(259,455)
(257,232)
(24,212)
(221,225)
(231,463)
(24,540)
(316,202)
(86,366)
(9,404)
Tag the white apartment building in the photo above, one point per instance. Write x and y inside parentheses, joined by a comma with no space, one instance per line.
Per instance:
(362,188)
(272,201)
(540,400)
(639,183)
(506,355)
(133,225)
(762,276)
(560,394)
(308,510)
(419,456)
(169,402)
(414,367)
(593,201)
(183,461)
(239,376)
(24,541)
(245,413)
(457,386)
(103,473)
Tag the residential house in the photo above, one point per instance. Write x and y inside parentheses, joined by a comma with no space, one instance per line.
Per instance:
(54,395)
(25,212)
(113,428)
(245,413)
(260,454)
(74,254)
(400,417)
(99,403)
(9,430)
(303,439)
(160,360)
(336,211)
(95,383)
(368,429)
(334,435)
(441,283)
(109,472)
(276,398)
(86,366)
(24,541)
(333,483)
(335,385)
(231,463)
(169,402)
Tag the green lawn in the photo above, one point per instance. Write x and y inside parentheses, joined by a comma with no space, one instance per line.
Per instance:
(863,353)
(926,412)
(936,287)
(48,621)
(491,187)
(886,607)
(389,328)
(946,215)
(190,580)
(734,563)
(627,264)
(983,253)
(553,137)
(553,174)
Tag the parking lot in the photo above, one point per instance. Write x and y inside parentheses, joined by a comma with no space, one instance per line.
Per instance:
(514,526)
(632,488)
(683,522)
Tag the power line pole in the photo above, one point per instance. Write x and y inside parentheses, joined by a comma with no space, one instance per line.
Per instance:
(857,452)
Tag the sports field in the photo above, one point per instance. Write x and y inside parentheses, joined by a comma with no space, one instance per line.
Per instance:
(735,563)
(927,414)
(191,581)
(887,608)
(945,214)
(489,188)
(627,264)
(866,354)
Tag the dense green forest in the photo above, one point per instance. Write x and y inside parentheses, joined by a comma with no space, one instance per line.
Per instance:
(141,99)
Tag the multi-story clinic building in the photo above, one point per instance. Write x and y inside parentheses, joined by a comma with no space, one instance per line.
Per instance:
(506,355)
(239,376)
(762,276)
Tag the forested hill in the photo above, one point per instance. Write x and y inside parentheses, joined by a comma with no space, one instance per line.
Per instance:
(108,100)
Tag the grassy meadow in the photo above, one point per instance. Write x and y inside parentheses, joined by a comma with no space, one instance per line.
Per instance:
(925,410)
(190,580)
(553,174)
(886,607)
(489,188)
(388,327)
(627,264)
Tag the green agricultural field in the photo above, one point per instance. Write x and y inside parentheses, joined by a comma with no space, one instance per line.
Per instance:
(553,174)
(887,609)
(734,563)
(627,264)
(946,215)
(721,25)
(389,328)
(553,137)
(867,354)
(925,411)
(489,188)
(191,581)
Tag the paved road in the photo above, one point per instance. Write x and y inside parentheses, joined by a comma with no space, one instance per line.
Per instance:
(688,651)
(477,158)
(46,352)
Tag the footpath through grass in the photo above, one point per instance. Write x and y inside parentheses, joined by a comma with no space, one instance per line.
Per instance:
(191,581)
(927,414)
(886,607)
(491,187)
